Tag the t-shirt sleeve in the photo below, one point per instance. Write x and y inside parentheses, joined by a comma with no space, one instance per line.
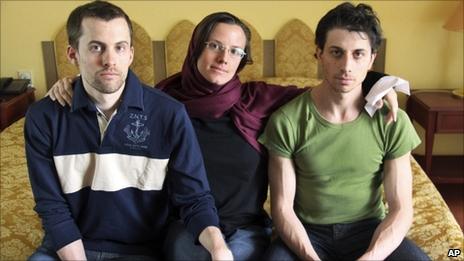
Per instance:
(278,136)
(401,137)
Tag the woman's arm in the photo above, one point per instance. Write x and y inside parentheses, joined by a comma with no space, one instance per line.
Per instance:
(62,91)
(392,99)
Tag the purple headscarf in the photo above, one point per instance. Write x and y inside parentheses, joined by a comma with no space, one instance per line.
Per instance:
(248,104)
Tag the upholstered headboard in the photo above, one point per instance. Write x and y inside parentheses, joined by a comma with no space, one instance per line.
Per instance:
(289,55)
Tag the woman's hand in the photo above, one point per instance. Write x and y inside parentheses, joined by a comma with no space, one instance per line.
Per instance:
(392,98)
(62,91)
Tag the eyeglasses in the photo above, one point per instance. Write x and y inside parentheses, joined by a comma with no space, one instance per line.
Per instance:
(217,47)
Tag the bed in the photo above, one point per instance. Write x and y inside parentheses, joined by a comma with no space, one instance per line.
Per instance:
(275,61)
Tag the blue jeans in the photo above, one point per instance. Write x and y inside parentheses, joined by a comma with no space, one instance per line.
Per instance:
(247,243)
(45,252)
(344,242)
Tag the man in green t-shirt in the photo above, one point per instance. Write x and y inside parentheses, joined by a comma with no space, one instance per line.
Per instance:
(329,158)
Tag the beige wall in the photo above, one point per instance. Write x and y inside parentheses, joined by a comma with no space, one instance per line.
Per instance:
(418,48)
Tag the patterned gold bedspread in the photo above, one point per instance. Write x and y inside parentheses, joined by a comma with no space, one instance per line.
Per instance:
(434,228)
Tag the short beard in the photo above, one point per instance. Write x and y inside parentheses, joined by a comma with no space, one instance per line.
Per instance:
(100,87)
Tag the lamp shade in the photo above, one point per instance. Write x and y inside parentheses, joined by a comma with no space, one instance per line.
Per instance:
(455,22)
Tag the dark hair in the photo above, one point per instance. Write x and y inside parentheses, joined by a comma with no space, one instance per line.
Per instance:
(360,18)
(206,26)
(97,9)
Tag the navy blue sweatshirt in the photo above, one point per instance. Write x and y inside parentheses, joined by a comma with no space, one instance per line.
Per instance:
(114,193)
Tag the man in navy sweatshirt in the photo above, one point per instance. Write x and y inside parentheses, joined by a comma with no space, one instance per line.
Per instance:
(105,170)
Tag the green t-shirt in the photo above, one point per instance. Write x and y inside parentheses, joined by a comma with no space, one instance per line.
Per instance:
(338,166)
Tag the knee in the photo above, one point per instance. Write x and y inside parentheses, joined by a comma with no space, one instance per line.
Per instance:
(175,238)
(279,251)
(179,244)
(408,250)
(44,252)
(43,256)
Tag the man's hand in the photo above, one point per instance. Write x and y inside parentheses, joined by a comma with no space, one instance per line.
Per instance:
(72,251)
(222,254)
(211,239)
(62,91)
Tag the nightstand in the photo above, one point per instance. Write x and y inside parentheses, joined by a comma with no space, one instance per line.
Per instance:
(13,107)
(437,112)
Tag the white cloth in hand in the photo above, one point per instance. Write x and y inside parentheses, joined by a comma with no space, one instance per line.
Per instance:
(381,88)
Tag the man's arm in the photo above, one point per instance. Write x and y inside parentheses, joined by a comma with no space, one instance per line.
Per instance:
(72,251)
(283,184)
(211,239)
(51,206)
(190,190)
(398,192)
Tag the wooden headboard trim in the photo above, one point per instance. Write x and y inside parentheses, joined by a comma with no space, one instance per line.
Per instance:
(159,58)
(268,58)
(379,63)
(51,73)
